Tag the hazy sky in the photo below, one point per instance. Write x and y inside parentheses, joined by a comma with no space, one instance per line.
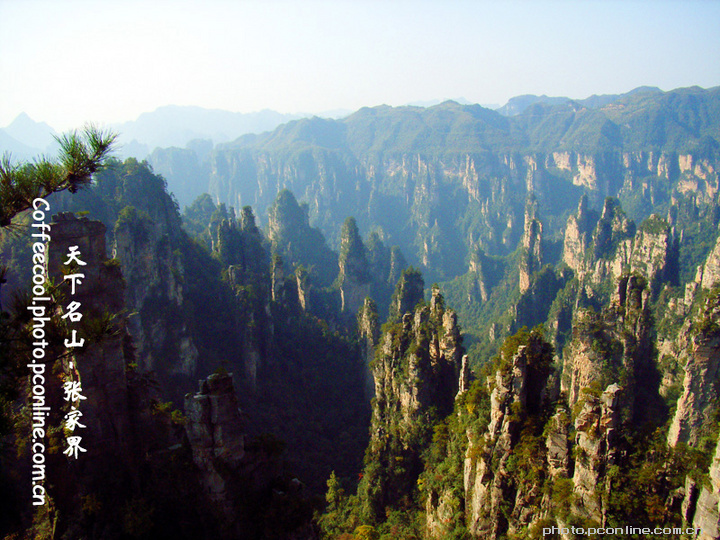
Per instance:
(67,62)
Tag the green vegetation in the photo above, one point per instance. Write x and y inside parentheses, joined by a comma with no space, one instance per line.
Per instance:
(407,363)
(654,225)
(196,217)
(447,184)
(699,225)
(486,323)
(297,242)
(80,157)
(408,293)
(353,262)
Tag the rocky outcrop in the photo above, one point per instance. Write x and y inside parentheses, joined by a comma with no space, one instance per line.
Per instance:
(615,247)
(440,512)
(613,345)
(123,434)
(155,294)
(532,257)
(397,265)
(354,277)
(408,293)
(707,276)
(465,375)
(397,187)
(584,359)
(705,502)
(596,443)
(390,167)
(216,435)
(558,445)
(419,364)
(612,242)
(548,457)
(655,253)
(709,273)
(369,334)
(695,349)
(696,409)
(292,237)
(490,478)
(416,373)
(99,365)
(384,268)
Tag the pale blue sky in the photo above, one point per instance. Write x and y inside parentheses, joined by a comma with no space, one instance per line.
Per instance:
(69,62)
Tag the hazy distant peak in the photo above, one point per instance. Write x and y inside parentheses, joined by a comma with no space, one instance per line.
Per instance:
(645,90)
(30,133)
(433,102)
(176,125)
(451,103)
(518,104)
(24,122)
(21,119)
(425,103)
(462,101)
(335,114)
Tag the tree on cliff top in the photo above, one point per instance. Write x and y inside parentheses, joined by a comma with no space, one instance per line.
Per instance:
(353,259)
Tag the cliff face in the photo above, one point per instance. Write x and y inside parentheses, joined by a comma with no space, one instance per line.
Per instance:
(490,471)
(614,247)
(136,472)
(216,435)
(239,246)
(354,276)
(125,436)
(416,372)
(408,293)
(696,349)
(614,345)
(597,427)
(292,237)
(155,293)
(610,377)
(100,365)
(532,257)
(181,299)
(697,405)
(578,235)
(143,230)
(400,193)
(369,333)
(554,449)
(702,503)
(708,274)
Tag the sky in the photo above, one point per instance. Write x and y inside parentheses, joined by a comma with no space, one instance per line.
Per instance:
(69,62)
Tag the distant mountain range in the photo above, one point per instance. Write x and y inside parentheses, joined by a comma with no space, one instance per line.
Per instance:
(164,127)
(518,104)
(371,163)
(176,126)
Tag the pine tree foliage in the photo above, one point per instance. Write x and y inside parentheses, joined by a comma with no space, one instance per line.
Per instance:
(81,155)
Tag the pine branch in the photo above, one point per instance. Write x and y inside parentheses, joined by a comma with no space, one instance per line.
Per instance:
(81,156)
